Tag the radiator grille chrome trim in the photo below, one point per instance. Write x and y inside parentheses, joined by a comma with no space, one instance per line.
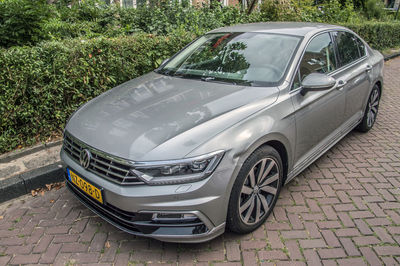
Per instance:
(102,164)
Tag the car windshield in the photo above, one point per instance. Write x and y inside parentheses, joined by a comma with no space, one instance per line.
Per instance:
(253,59)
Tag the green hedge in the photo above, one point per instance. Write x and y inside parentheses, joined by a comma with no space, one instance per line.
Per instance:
(41,86)
(379,35)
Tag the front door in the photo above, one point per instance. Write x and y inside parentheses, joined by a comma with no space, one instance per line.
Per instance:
(318,113)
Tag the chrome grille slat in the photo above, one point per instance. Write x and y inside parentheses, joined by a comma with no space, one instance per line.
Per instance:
(112,166)
(72,151)
(133,181)
(108,178)
(107,171)
(101,164)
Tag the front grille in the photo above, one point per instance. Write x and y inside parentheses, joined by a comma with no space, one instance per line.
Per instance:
(101,164)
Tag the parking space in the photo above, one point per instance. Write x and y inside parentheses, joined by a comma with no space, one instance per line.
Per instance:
(345,208)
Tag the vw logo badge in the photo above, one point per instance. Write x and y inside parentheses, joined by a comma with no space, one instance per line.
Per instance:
(84,158)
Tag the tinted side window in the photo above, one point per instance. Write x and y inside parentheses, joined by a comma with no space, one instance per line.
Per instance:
(361,47)
(347,45)
(318,57)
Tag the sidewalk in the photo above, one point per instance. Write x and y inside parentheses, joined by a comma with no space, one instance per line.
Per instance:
(24,170)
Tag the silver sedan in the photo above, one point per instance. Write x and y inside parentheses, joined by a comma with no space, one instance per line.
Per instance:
(206,141)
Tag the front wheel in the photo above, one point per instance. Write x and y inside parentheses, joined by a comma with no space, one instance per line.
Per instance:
(255,190)
(371,110)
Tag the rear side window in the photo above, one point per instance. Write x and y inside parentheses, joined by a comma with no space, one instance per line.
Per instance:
(361,47)
(350,48)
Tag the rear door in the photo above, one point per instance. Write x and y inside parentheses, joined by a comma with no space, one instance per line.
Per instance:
(353,70)
(318,113)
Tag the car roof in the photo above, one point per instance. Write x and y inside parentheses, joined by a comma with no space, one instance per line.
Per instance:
(291,28)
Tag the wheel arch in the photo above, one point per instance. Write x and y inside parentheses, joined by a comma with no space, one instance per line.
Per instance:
(277,141)
(380,85)
(281,149)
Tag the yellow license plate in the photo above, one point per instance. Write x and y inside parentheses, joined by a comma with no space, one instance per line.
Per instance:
(85,186)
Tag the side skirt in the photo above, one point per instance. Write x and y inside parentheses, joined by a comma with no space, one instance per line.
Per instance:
(319,152)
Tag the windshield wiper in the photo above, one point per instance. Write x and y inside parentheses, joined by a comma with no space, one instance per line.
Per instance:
(214,79)
(163,72)
(207,78)
(169,73)
(226,81)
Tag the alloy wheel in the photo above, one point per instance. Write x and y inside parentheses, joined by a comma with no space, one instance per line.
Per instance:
(373,104)
(259,190)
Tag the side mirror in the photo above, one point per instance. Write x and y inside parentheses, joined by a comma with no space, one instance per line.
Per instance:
(316,82)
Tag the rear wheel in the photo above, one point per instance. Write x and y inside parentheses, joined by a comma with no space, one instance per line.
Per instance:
(371,111)
(255,190)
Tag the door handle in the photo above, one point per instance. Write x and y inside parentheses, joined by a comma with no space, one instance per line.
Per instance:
(368,68)
(341,84)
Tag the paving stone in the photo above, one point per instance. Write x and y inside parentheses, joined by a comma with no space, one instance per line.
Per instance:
(331,253)
(50,254)
(344,209)
(233,251)
(349,247)
(294,250)
(26,249)
(312,257)
(25,259)
(44,242)
(387,250)
(272,255)
(365,240)
(74,247)
(211,256)
(370,256)
(351,262)
(312,243)
(330,238)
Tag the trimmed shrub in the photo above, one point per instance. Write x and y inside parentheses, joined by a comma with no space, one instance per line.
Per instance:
(379,35)
(41,86)
(92,18)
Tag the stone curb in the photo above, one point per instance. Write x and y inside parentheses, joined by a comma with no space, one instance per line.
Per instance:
(22,184)
(391,56)
(12,155)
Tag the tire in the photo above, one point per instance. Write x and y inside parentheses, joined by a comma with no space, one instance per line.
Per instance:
(371,110)
(254,195)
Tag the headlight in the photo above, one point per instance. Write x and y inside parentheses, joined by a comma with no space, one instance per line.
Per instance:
(178,171)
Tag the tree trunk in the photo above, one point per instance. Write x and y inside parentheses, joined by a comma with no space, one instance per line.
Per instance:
(252,5)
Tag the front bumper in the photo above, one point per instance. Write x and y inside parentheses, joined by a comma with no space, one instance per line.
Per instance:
(136,209)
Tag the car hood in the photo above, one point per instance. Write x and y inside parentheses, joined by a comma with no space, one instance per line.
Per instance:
(157,117)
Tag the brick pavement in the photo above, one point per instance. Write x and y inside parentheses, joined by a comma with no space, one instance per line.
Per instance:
(344,209)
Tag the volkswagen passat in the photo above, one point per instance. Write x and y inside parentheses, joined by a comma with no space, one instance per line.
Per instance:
(206,141)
